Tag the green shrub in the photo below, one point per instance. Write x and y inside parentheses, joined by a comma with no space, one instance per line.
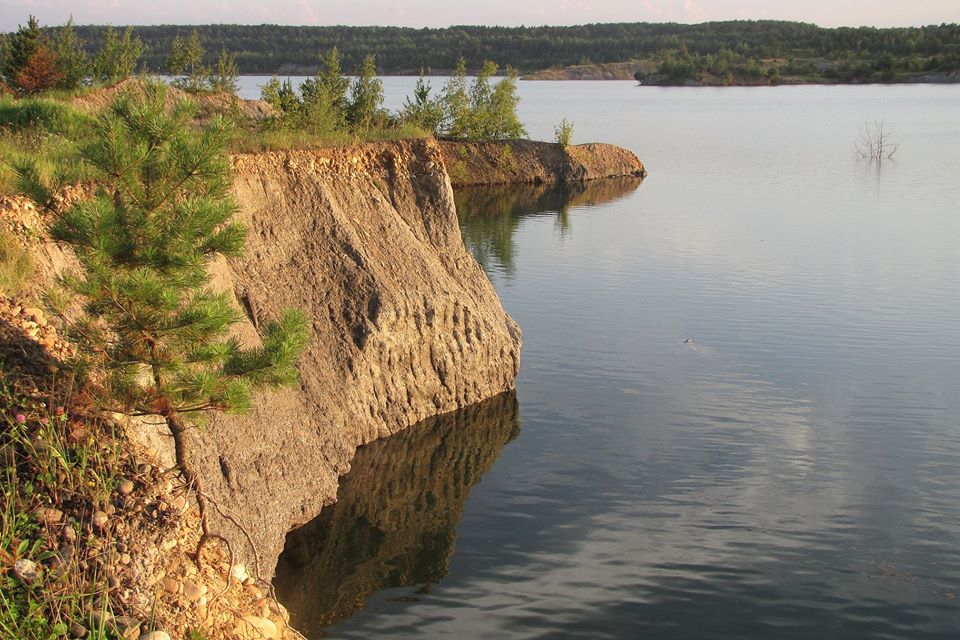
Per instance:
(563,132)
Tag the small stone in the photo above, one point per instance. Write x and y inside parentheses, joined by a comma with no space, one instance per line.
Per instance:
(121,547)
(155,635)
(125,558)
(129,628)
(170,585)
(254,591)
(48,515)
(110,509)
(239,573)
(69,534)
(101,618)
(36,313)
(100,520)
(113,582)
(125,487)
(77,630)
(193,591)
(179,503)
(26,570)
(265,626)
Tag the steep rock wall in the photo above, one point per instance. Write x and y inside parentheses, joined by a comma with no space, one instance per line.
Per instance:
(405,325)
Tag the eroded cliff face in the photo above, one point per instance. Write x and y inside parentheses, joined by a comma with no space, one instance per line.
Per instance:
(405,326)
(532,162)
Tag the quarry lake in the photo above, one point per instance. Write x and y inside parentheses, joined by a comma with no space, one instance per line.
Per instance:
(738,412)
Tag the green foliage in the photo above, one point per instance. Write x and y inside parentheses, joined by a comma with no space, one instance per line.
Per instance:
(118,56)
(20,48)
(563,132)
(366,97)
(423,111)
(324,107)
(145,243)
(456,104)
(186,62)
(43,134)
(224,74)
(267,49)
(44,466)
(280,95)
(72,59)
(483,113)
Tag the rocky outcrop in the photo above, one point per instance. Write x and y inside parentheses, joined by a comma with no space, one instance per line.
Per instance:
(405,325)
(531,162)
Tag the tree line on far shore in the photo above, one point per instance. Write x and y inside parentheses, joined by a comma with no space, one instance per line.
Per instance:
(268,49)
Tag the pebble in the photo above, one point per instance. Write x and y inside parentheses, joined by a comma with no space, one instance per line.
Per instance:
(170,585)
(193,591)
(239,572)
(129,628)
(77,630)
(48,515)
(254,591)
(69,534)
(155,635)
(125,487)
(100,519)
(26,570)
(266,627)
(125,558)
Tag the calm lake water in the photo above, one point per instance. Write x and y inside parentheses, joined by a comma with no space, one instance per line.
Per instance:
(738,414)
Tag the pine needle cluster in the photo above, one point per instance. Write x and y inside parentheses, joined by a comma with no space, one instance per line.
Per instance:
(145,243)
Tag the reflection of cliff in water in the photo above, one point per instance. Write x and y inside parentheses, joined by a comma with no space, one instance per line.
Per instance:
(489,216)
(394,522)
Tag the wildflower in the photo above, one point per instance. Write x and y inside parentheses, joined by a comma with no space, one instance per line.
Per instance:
(21,418)
(59,411)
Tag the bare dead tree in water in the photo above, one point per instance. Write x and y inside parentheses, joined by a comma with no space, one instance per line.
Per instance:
(875,142)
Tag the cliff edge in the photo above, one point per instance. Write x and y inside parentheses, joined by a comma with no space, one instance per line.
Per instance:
(405,324)
(532,162)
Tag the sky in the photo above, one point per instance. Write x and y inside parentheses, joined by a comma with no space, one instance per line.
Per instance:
(441,13)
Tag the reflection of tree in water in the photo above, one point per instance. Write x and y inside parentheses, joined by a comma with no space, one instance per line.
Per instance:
(490,216)
(394,523)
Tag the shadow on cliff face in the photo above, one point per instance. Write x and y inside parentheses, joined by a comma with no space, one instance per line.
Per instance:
(394,522)
(490,215)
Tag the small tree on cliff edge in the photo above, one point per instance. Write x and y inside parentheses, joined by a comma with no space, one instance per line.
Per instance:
(144,244)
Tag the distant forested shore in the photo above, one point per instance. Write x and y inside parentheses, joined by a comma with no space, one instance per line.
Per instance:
(733,52)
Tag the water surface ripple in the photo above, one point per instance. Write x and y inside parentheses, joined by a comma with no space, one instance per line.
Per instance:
(740,387)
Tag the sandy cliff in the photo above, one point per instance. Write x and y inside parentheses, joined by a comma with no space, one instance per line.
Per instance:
(405,324)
